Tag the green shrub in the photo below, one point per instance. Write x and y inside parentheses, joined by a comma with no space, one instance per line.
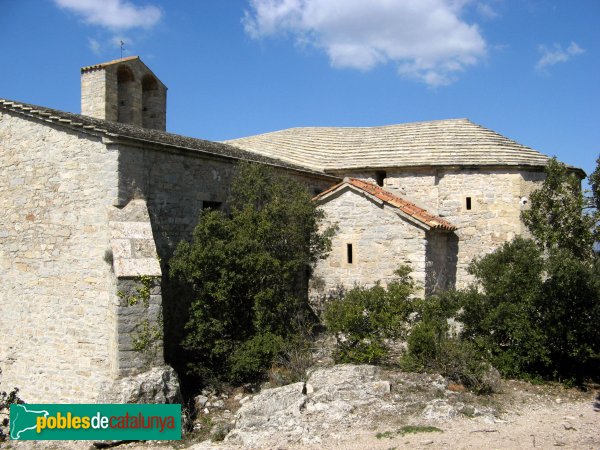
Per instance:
(293,362)
(570,314)
(7,399)
(535,307)
(254,357)
(434,346)
(363,318)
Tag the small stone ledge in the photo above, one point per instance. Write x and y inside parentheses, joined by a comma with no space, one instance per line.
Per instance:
(131,241)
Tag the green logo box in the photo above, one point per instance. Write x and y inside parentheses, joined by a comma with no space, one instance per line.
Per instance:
(44,422)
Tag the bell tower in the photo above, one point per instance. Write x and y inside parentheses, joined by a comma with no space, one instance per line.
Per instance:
(125,91)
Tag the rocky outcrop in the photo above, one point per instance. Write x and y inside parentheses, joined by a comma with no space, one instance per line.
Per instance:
(158,385)
(301,412)
(359,384)
(338,400)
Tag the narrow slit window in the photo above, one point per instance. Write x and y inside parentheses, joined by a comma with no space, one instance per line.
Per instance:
(349,253)
(468,203)
(380,175)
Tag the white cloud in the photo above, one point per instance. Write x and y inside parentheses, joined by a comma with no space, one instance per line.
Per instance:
(556,54)
(113,14)
(486,10)
(95,46)
(425,38)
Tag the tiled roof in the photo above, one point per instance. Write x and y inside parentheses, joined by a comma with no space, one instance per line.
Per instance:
(453,142)
(145,136)
(109,63)
(394,200)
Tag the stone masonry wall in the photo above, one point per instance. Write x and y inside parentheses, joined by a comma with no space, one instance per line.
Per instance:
(418,186)
(381,241)
(55,313)
(84,221)
(94,102)
(176,185)
(128,101)
(137,323)
(494,217)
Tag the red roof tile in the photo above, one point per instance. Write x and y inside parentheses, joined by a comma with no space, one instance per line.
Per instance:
(402,204)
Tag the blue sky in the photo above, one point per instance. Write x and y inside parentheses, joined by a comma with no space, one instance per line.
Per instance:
(528,69)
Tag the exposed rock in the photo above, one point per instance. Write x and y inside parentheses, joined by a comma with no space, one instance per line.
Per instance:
(273,411)
(200,401)
(303,413)
(272,407)
(346,382)
(158,385)
(276,419)
(440,409)
(219,404)
(491,380)
(439,382)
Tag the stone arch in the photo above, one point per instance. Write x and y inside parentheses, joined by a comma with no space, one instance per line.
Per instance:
(151,101)
(149,83)
(124,75)
(126,88)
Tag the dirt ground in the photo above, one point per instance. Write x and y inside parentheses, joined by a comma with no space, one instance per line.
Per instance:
(572,424)
(527,417)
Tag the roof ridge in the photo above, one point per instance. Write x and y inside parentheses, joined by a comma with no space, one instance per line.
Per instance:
(109,63)
(495,133)
(456,142)
(392,125)
(146,135)
(404,205)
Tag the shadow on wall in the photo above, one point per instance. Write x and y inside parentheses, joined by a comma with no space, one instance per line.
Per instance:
(441,257)
(176,301)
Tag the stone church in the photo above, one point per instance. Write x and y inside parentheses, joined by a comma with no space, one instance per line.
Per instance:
(94,204)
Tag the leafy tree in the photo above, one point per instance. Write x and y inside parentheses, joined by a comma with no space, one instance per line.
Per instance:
(595,184)
(246,274)
(536,304)
(502,315)
(534,315)
(594,180)
(533,311)
(556,218)
(570,311)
